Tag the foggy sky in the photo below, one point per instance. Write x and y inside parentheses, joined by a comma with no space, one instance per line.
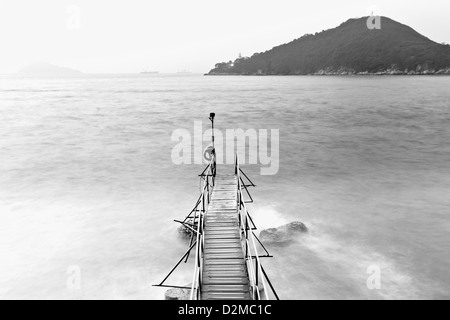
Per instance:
(173,35)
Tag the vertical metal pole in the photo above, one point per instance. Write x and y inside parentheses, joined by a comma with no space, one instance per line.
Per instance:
(211,117)
(203,203)
(257,279)
(213,133)
(207,190)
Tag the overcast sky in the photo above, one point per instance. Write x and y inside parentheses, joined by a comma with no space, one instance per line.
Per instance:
(174,35)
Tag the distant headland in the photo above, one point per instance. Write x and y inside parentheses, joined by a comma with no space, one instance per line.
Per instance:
(350,49)
(47,69)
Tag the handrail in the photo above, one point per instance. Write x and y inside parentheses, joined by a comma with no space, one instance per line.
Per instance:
(208,175)
(257,274)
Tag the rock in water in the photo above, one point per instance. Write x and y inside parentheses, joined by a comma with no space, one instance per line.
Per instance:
(184,233)
(177,294)
(283,234)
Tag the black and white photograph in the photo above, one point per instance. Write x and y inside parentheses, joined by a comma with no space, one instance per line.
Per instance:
(224,157)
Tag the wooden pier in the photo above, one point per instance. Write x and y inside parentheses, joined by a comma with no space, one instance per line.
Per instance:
(225,274)
(227,264)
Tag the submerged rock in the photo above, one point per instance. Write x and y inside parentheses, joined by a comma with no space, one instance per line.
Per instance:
(284,233)
(184,233)
(177,294)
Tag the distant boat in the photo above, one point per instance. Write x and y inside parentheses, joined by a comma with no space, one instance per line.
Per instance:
(184,72)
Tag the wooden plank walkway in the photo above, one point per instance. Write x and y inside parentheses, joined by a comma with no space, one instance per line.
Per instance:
(225,274)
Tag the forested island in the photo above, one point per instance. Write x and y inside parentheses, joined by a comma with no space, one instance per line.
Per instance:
(352,48)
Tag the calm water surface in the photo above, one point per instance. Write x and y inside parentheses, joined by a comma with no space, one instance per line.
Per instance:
(86,179)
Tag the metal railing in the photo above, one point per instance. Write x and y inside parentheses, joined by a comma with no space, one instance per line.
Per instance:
(256,273)
(194,223)
(198,225)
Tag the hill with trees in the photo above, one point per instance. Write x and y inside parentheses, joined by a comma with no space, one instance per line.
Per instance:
(351,48)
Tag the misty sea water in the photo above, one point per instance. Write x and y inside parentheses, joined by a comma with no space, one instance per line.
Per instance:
(87,180)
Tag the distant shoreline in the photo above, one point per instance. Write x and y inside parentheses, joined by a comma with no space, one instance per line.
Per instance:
(328,75)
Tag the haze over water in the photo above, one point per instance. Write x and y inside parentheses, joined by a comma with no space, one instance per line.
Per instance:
(86,179)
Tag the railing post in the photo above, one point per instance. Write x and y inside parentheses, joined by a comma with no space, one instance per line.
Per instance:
(246,248)
(257,275)
(207,190)
(203,202)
